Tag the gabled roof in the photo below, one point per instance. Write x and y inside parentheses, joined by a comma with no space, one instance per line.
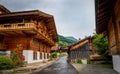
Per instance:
(4,9)
(80,43)
(26,13)
(55,48)
(103,10)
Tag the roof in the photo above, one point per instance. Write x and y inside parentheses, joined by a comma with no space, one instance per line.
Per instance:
(24,13)
(103,11)
(80,43)
(4,9)
(55,48)
(96,57)
(36,14)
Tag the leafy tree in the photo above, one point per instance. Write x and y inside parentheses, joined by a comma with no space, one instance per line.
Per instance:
(15,57)
(101,42)
(53,55)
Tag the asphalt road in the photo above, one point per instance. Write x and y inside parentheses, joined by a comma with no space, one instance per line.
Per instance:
(59,67)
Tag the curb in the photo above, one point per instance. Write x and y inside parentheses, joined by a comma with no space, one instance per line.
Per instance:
(27,70)
(41,68)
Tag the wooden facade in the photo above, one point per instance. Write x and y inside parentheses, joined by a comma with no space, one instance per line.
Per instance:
(79,50)
(33,30)
(108,20)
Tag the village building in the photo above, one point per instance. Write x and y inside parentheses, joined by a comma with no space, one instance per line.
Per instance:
(55,48)
(80,50)
(108,21)
(31,33)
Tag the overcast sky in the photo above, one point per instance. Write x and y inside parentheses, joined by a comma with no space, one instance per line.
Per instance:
(72,17)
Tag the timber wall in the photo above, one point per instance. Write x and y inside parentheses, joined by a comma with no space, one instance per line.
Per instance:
(114,36)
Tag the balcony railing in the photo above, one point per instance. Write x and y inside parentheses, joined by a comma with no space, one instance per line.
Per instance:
(17,26)
(45,35)
(24,26)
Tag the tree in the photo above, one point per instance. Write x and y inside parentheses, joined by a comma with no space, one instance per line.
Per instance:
(101,42)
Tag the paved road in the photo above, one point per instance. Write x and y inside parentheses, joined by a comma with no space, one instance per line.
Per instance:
(93,69)
(59,67)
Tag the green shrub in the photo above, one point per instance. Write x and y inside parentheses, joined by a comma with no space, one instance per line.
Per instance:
(53,55)
(6,63)
(61,55)
(15,57)
(88,61)
(79,61)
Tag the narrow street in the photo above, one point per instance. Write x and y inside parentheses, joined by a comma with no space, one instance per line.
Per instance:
(59,67)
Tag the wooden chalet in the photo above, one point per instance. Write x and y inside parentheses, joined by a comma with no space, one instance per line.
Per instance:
(79,50)
(108,21)
(34,31)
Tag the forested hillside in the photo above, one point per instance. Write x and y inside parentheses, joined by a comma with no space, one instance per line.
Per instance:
(64,42)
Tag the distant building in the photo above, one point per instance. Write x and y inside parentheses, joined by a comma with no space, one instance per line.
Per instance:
(55,48)
(80,50)
(31,33)
(108,21)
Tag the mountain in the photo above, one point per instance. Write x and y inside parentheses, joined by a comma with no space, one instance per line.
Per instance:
(64,39)
(64,42)
(72,38)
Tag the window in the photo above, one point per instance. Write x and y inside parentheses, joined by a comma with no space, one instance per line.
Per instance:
(40,55)
(34,55)
(35,41)
(47,56)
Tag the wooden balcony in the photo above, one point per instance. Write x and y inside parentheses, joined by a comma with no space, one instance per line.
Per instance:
(24,28)
(3,46)
(44,37)
(17,28)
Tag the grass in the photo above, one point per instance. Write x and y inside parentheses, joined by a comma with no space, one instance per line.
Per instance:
(107,63)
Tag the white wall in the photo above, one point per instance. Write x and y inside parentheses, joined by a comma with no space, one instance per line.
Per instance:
(116,62)
(38,55)
(46,56)
(29,56)
(42,55)
(8,53)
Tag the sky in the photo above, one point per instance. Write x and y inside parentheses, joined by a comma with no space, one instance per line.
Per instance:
(72,17)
